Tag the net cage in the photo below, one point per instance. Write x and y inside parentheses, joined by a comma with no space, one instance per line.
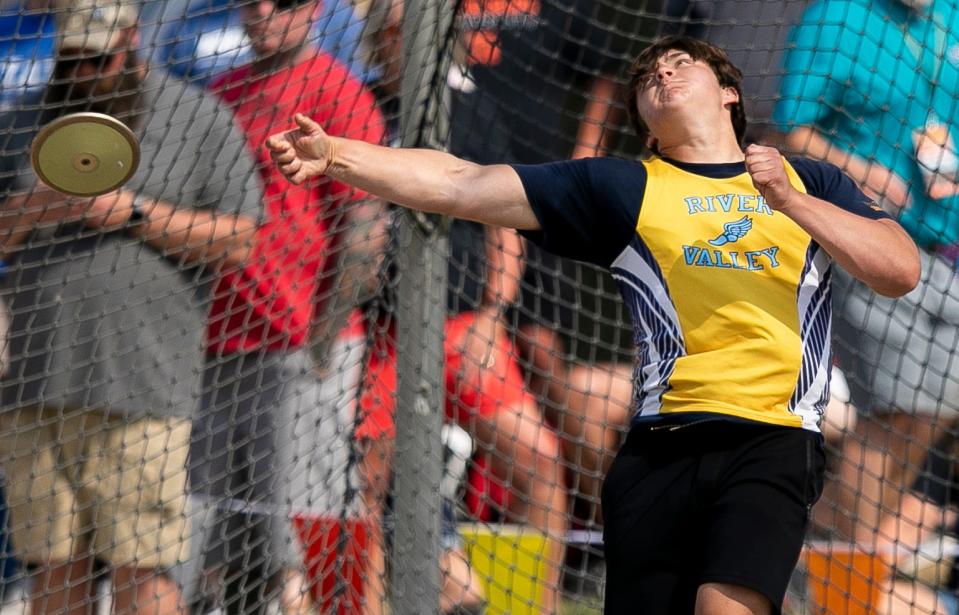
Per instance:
(225,392)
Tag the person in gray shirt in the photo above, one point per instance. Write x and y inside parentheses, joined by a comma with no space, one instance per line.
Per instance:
(109,305)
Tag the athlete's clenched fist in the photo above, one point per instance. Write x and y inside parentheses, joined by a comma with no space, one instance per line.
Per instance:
(765,167)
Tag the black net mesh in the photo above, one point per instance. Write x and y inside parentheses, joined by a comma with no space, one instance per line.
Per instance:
(201,366)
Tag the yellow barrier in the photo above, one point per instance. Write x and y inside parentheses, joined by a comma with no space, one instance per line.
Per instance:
(511,562)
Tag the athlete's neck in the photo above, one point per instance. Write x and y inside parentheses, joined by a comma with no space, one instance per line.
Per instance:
(697,135)
(706,150)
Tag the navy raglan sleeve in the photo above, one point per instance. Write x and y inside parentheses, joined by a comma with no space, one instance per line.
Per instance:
(826,181)
(587,209)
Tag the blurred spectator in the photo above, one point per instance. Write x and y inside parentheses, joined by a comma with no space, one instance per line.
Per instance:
(27,50)
(213,39)
(486,396)
(108,302)
(485,390)
(538,78)
(27,41)
(871,87)
(9,566)
(517,71)
(928,510)
(263,316)
(209,39)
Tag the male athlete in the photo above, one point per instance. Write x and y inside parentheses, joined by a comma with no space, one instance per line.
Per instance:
(723,257)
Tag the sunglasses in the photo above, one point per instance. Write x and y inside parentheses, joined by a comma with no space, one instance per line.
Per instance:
(71,64)
(282,5)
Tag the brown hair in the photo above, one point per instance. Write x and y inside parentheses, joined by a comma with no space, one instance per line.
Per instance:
(726,72)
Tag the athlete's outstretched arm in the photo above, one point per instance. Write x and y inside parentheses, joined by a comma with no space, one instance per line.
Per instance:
(878,252)
(421,179)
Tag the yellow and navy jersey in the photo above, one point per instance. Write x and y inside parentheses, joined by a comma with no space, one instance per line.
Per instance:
(729,299)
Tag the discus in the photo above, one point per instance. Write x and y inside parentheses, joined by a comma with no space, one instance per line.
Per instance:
(85,154)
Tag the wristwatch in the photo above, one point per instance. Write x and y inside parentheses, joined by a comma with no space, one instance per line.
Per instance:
(137,215)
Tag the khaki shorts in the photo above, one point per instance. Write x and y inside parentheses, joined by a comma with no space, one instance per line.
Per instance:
(902,354)
(81,483)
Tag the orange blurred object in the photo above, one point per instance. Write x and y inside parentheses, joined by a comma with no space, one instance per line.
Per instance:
(844,579)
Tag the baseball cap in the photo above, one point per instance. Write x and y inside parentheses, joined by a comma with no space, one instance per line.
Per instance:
(93,25)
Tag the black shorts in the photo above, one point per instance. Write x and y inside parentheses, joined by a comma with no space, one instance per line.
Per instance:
(713,502)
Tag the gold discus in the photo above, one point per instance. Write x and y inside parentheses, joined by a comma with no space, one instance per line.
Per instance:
(85,154)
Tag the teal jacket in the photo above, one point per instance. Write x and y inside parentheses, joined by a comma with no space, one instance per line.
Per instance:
(869,74)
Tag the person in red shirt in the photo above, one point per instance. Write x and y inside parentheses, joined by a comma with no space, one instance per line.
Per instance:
(485,395)
(277,290)
(251,448)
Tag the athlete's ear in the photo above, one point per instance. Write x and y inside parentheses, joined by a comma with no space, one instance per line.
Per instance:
(730,96)
(652,143)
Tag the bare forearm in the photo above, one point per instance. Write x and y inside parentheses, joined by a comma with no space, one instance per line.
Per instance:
(591,136)
(420,179)
(807,141)
(878,252)
(355,267)
(197,237)
(16,223)
(356,275)
(878,181)
(902,533)
(504,267)
(434,182)
(22,214)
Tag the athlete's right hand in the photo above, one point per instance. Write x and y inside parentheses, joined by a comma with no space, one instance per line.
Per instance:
(766,169)
(302,153)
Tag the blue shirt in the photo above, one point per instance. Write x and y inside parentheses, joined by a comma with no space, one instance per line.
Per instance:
(27,48)
(869,75)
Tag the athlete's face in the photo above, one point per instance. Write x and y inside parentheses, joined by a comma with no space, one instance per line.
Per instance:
(679,85)
(278,25)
